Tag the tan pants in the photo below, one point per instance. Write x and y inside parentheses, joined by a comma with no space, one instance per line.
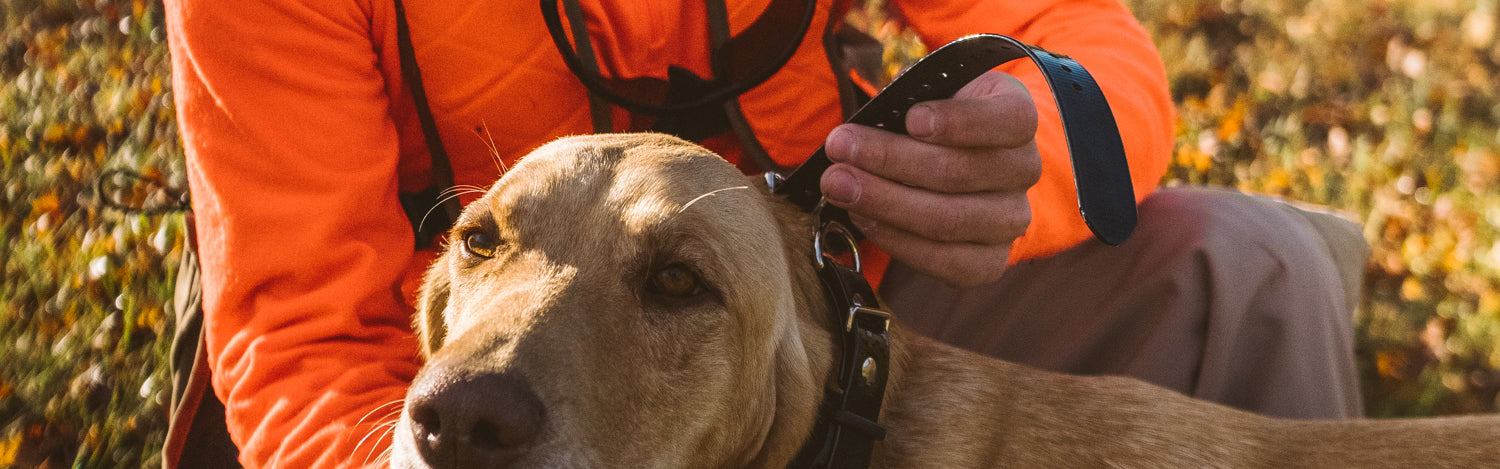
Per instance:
(1222,296)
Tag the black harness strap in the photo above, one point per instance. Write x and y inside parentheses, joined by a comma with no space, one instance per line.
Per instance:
(718,29)
(692,107)
(598,108)
(685,104)
(427,223)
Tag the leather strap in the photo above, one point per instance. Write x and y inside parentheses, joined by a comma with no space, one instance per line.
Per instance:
(848,426)
(1106,197)
(426,222)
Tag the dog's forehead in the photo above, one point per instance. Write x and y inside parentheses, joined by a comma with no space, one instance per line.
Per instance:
(633,173)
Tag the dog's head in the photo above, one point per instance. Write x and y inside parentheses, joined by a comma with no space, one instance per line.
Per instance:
(619,300)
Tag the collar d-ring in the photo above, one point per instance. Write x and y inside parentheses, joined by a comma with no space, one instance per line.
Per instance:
(835,228)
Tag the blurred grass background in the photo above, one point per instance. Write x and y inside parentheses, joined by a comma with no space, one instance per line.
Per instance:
(1385,110)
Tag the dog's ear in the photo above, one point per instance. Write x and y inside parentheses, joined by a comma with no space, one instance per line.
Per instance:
(432,300)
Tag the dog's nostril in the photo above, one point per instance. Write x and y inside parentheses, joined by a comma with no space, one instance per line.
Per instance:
(426,429)
(426,420)
(426,424)
(486,436)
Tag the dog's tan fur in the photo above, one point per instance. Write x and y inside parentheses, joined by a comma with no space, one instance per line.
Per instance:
(733,378)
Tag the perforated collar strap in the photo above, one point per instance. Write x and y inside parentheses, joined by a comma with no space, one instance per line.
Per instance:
(1100,172)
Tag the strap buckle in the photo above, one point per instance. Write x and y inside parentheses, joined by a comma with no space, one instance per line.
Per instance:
(856,310)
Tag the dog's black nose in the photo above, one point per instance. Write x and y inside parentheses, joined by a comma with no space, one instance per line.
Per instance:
(480,420)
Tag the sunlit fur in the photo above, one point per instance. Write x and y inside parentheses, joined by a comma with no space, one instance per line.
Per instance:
(628,381)
(734,379)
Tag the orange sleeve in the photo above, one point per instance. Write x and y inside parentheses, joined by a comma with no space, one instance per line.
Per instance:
(292,161)
(1104,37)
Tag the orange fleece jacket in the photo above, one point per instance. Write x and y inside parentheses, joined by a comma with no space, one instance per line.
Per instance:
(299,133)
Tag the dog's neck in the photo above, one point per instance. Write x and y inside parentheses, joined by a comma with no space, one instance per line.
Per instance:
(1016,415)
(969,389)
(932,387)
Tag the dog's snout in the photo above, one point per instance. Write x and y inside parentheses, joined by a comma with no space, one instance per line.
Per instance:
(487,420)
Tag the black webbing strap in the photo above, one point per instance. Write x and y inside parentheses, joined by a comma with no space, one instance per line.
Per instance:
(742,65)
(421,208)
(1101,175)
(599,110)
(735,63)
(718,31)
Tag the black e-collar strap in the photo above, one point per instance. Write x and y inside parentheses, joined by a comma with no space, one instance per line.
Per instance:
(1106,197)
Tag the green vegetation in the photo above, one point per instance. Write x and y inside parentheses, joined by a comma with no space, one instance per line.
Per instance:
(1385,110)
(85,329)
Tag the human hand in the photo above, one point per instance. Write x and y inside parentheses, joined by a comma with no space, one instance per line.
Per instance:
(949,199)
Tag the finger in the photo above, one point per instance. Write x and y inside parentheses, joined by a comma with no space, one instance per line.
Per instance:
(957,264)
(993,110)
(984,217)
(934,167)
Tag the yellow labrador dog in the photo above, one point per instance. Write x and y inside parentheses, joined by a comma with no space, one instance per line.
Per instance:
(634,301)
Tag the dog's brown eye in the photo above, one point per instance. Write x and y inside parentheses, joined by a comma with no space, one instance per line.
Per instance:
(480,244)
(675,280)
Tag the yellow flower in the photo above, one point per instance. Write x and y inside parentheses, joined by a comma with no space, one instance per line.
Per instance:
(53,134)
(1233,121)
(1411,290)
(1202,161)
(1316,177)
(47,203)
(1489,302)
(9,446)
(1389,364)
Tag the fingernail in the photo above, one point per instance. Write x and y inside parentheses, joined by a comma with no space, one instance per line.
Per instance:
(840,187)
(840,145)
(919,121)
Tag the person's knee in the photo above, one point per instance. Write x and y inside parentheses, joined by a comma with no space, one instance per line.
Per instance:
(1226,227)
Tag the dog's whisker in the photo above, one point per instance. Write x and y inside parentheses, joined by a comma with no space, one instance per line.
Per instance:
(435,206)
(489,141)
(459,192)
(378,408)
(380,432)
(384,460)
(705,195)
(462,189)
